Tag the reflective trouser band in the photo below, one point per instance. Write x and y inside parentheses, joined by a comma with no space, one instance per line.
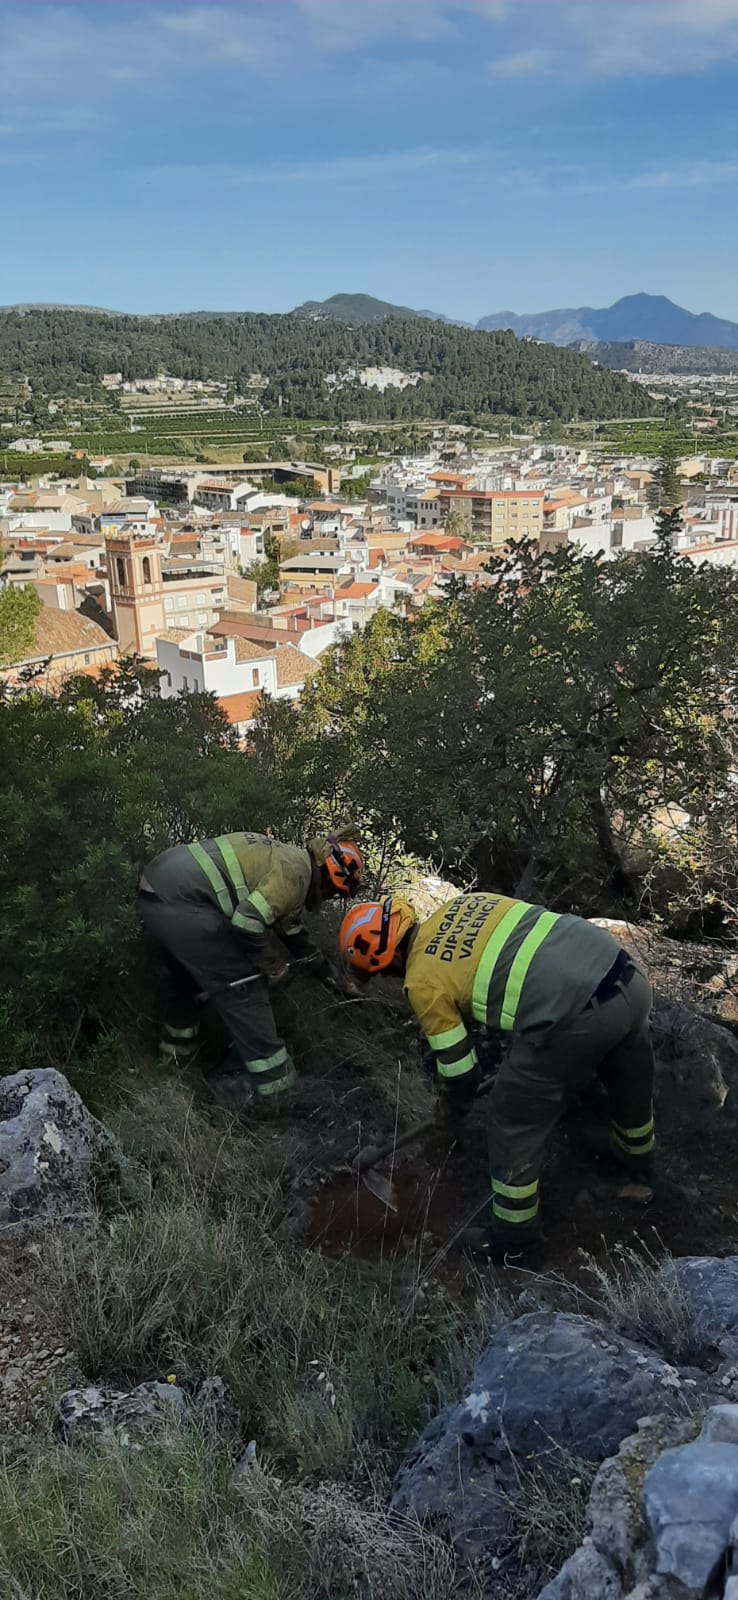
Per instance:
(272,1074)
(181,1033)
(173,1052)
(634,1141)
(517,1194)
(215,879)
(519,969)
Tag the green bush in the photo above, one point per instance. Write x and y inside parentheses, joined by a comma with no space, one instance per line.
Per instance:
(93,783)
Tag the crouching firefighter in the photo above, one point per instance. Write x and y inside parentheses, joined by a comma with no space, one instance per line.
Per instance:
(212,906)
(571,1003)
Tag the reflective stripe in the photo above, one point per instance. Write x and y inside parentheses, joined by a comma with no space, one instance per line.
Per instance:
(233,867)
(280,1056)
(174,1052)
(215,878)
(181,1033)
(251,924)
(521,963)
(519,969)
(634,1133)
(264,1089)
(515,1191)
(490,956)
(640,1149)
(443,1041)
(514,1216)
(456,1069)
(261,906)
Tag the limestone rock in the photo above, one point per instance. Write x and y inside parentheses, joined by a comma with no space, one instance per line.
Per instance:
(711,1286)
(123,1412)
(587,1575)
(721,1425)
(51,1148)
(548,1379)
(691,1499)
(696,1068)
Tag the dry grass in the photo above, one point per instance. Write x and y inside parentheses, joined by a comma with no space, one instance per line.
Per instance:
(639,1294)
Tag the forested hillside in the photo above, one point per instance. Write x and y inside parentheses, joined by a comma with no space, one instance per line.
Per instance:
(465,373)
(637,355)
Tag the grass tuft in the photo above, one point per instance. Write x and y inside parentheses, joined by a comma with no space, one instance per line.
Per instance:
(640,1295)
(176,1521)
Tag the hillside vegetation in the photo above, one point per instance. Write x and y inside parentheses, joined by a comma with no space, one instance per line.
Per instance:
(527,735)
(465,374)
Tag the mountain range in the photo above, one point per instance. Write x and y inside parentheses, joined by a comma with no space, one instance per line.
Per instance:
(642,318)
(649,317)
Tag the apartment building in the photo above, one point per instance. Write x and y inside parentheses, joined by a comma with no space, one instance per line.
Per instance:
(494,517)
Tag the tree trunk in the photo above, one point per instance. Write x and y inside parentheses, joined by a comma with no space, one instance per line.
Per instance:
(620,876)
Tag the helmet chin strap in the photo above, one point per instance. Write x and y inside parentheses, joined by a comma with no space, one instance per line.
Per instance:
(385,926)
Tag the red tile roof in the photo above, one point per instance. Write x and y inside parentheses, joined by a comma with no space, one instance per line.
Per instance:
(240,707)
(355,591)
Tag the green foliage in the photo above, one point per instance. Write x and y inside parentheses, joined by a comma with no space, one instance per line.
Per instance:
(472,374)
(92,784)
(19,609)
(665,488)
(503,728)
(265,574)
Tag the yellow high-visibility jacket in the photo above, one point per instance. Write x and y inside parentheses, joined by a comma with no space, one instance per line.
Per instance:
(259,883)
(502,963)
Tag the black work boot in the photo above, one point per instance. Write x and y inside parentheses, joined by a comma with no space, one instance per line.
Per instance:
(232,1091)
(486,1248)
(640,1169)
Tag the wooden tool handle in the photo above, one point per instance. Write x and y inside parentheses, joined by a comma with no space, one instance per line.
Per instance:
(373,1154)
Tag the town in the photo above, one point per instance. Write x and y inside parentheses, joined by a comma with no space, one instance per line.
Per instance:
(228,587)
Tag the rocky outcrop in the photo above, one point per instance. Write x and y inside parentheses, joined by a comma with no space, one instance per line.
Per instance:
(548,1381)
(553,1387)
(52,1151)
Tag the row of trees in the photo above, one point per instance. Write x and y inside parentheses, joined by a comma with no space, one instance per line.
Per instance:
(465,373)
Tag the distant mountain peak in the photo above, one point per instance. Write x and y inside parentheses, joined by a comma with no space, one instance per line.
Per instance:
(652,318)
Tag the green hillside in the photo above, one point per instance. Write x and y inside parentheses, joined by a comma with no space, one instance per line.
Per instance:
(313,367)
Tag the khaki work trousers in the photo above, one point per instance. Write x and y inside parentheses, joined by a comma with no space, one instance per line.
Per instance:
(610,1039)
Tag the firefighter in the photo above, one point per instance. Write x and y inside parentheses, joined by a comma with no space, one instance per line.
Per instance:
(569,999)
(212,906)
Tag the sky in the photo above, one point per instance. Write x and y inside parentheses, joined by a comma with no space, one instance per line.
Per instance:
(466,156)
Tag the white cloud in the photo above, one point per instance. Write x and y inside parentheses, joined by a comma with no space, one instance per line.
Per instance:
(236,35)
(656,38)
(355,170)
(522,64)
(687,175)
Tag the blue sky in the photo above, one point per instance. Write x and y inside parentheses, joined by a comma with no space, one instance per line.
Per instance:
(463,155)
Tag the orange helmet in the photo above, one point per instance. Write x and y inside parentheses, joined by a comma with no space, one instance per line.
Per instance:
(342,867)
(371,932)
